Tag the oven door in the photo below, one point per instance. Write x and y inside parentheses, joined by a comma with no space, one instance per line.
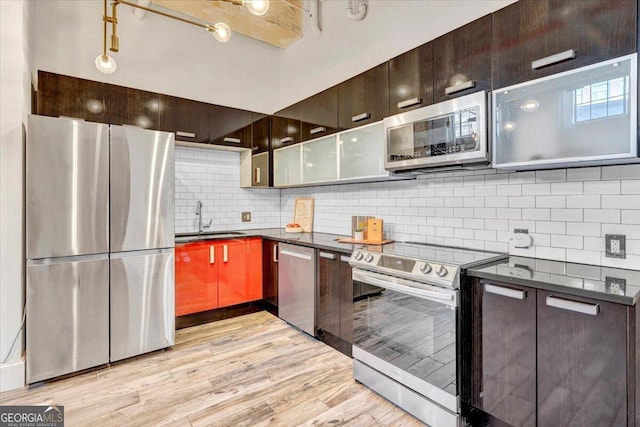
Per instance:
(408,333)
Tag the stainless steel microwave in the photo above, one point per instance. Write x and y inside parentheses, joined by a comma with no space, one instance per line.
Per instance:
(449,133)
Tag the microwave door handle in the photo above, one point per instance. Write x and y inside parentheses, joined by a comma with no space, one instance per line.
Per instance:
(442,298)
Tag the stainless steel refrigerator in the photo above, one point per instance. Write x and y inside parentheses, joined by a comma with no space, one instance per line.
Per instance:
(100,237)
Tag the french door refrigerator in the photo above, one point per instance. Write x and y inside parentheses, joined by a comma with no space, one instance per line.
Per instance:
(99,244)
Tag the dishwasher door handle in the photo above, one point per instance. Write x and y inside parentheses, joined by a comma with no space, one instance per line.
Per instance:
(295,254)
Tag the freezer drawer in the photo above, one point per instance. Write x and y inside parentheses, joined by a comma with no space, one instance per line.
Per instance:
(67,316)
(142,189)
(67,187)
(296,286)
(142,302)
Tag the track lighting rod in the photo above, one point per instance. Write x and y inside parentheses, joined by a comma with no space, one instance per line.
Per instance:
(148,9)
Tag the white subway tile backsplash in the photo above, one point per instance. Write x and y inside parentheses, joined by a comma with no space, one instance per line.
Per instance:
(602,215)
(630,216)
(551,201)
(602,187)
(562,188)
(574,215)
(567,211)
(621,201)
(631,186)
(554,175)
(588,201)
(621,172)
(583,229)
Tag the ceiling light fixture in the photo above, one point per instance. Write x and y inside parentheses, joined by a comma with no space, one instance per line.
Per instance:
(221,31)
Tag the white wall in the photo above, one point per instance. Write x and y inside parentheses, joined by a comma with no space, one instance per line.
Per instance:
(213,177)
(347,48)
(157,54)
(567,211)
(14,104)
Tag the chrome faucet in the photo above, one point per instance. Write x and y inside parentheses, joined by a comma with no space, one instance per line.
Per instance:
(201,226)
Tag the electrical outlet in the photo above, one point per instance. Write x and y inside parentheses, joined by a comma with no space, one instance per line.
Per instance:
(615,245)
(246,216)
(614,285)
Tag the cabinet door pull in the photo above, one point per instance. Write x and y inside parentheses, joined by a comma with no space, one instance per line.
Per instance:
(275,253)
(553,59)
(360,117)
(327,255)
(410,102)
(212,254)
(317,130)
(257,175)
(578,307)
(255,148)
(505,292)
(286,140)
(185,134)
(344,258)
(232,140)
(225,253)
(459,87)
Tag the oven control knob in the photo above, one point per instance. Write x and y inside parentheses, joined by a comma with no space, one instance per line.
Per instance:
(368,258)
(358,256)
(441,271)
(425,268)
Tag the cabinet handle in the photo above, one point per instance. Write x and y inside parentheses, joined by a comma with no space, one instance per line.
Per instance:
(505,292)
(459,87)
(185,134)
(286,140)
(275,253)
(232,140)
(225,253)
(578,307)
(328,255)
(317,130)
(255,148)
(360,117)
(553,59)
(257,175)
(410,102)
(212,254)
(344,258)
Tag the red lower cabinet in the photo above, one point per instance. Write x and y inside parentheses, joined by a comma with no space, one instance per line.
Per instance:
(217,274)
(196,278)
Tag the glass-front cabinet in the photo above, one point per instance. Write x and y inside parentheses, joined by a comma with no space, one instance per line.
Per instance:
(581,117)
(286,166)
(362,152)
(320,160)
(356,155)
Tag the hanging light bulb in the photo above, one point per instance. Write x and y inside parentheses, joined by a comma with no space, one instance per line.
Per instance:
(105,64)
(220,31)
(257,7)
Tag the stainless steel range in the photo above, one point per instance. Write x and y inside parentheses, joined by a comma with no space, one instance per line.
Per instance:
(405,343)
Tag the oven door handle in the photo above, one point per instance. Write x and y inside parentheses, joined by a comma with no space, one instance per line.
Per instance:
(405,287)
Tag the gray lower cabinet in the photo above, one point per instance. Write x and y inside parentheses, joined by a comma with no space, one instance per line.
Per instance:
(542,358)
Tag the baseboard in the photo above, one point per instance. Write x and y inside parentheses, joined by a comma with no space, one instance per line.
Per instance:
(12,376)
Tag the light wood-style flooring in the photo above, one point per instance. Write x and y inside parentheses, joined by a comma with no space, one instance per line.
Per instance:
(253,370)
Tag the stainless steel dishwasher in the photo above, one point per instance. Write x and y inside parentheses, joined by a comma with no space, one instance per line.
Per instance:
(296,286)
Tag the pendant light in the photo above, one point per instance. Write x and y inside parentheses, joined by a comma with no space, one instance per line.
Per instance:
(220,31)
(257,7)
(105,63)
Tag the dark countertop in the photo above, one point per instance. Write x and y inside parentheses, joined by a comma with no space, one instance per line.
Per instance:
(583,280)
(314,240)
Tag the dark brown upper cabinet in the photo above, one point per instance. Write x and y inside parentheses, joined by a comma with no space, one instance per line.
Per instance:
(537,38)
(462,60)
(230,126)
(188,119)
(284,131)
(411,79)
(364,99)
(127,106)
(261,130)
(68,96)
(319,114)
